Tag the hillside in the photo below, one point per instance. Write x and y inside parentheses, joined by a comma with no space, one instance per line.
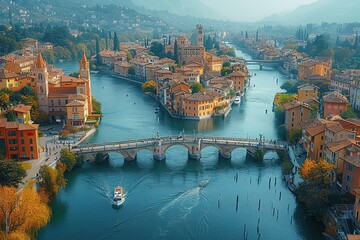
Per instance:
(320,11)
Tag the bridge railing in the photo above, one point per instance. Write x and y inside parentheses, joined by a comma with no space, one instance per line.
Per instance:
(150,142)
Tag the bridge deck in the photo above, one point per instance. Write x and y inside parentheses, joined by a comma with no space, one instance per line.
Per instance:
(174,140)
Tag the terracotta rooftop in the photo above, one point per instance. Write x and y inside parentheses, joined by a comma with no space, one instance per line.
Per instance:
(75,103)
(307,86)
(4,74)
(338,145)
(200,96)
(237,74)
(62,90)
(23,127)
(21,108)
(336,128)
(295,104)
(354,160)
(335,97)
(40,63)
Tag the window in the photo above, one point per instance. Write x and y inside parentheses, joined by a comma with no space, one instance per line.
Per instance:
(21,134)
(12,133)
(350,167)
(23,149)
(75,109)
(12,141)
(22,141)
(31,148)
(348,178)
(59,102)
(31,141)
(52,102)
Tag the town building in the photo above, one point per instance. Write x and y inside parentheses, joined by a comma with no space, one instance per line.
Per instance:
(57,94)
(313,67)
(295,113)
(192,53)
(334,104)
(351,173)
(306,91)
(20,141)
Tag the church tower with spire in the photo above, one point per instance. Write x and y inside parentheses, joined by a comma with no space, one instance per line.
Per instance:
(84,73)
(42,83)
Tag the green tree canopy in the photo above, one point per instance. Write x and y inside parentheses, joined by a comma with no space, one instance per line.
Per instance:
(196,87)
(68,158)
(11,173)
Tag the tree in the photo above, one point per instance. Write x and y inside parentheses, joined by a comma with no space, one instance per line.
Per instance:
(196,87)
(176,50)
(74,74)
(68,158)
(27,91)
(290,86)
(315,189)
(98,57)
(293,136)
(209,43)
(96,105)
(157,49)
(52,180)
(349,113)
(257,35)
(116,42)
(11,173)
(21,214)
(149,87)
(246,35)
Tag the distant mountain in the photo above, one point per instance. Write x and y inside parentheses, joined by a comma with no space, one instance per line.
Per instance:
(321,11)
(193,8)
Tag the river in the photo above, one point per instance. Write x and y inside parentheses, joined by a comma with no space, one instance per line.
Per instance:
(163,200)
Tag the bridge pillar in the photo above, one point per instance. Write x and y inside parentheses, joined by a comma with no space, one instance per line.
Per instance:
(261,66)
(225,154)
(130,155)
(195,150)
(158,153)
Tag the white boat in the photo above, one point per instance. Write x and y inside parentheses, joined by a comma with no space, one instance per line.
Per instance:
(203,183)
(94,71)
(237,100)
(119,196)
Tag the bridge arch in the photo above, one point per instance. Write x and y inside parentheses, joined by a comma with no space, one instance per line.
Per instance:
(167,147)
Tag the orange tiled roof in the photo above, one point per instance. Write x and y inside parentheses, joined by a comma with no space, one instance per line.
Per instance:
(21,108)
(23,127)
(62,90)
(338,145)
(354,160)
(335,97)
(40,63)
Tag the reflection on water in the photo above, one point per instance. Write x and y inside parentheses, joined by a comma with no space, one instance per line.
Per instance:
(163,201)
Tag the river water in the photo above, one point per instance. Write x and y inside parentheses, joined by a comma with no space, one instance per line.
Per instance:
(163,200)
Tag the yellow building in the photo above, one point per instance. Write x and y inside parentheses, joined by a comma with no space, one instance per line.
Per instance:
(15,81)
(314,68)
(214,64)
(306,91)
(295,113)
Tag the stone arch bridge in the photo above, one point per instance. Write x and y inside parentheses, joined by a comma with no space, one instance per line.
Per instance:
(159,145)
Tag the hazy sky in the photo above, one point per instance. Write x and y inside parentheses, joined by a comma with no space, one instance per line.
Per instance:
(253,10)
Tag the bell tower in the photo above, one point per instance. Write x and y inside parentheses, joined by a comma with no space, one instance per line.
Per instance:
(84,73)
(199,35)
(42,83)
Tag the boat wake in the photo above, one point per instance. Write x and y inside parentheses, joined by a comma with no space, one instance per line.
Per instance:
(186,201)
(180,208)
